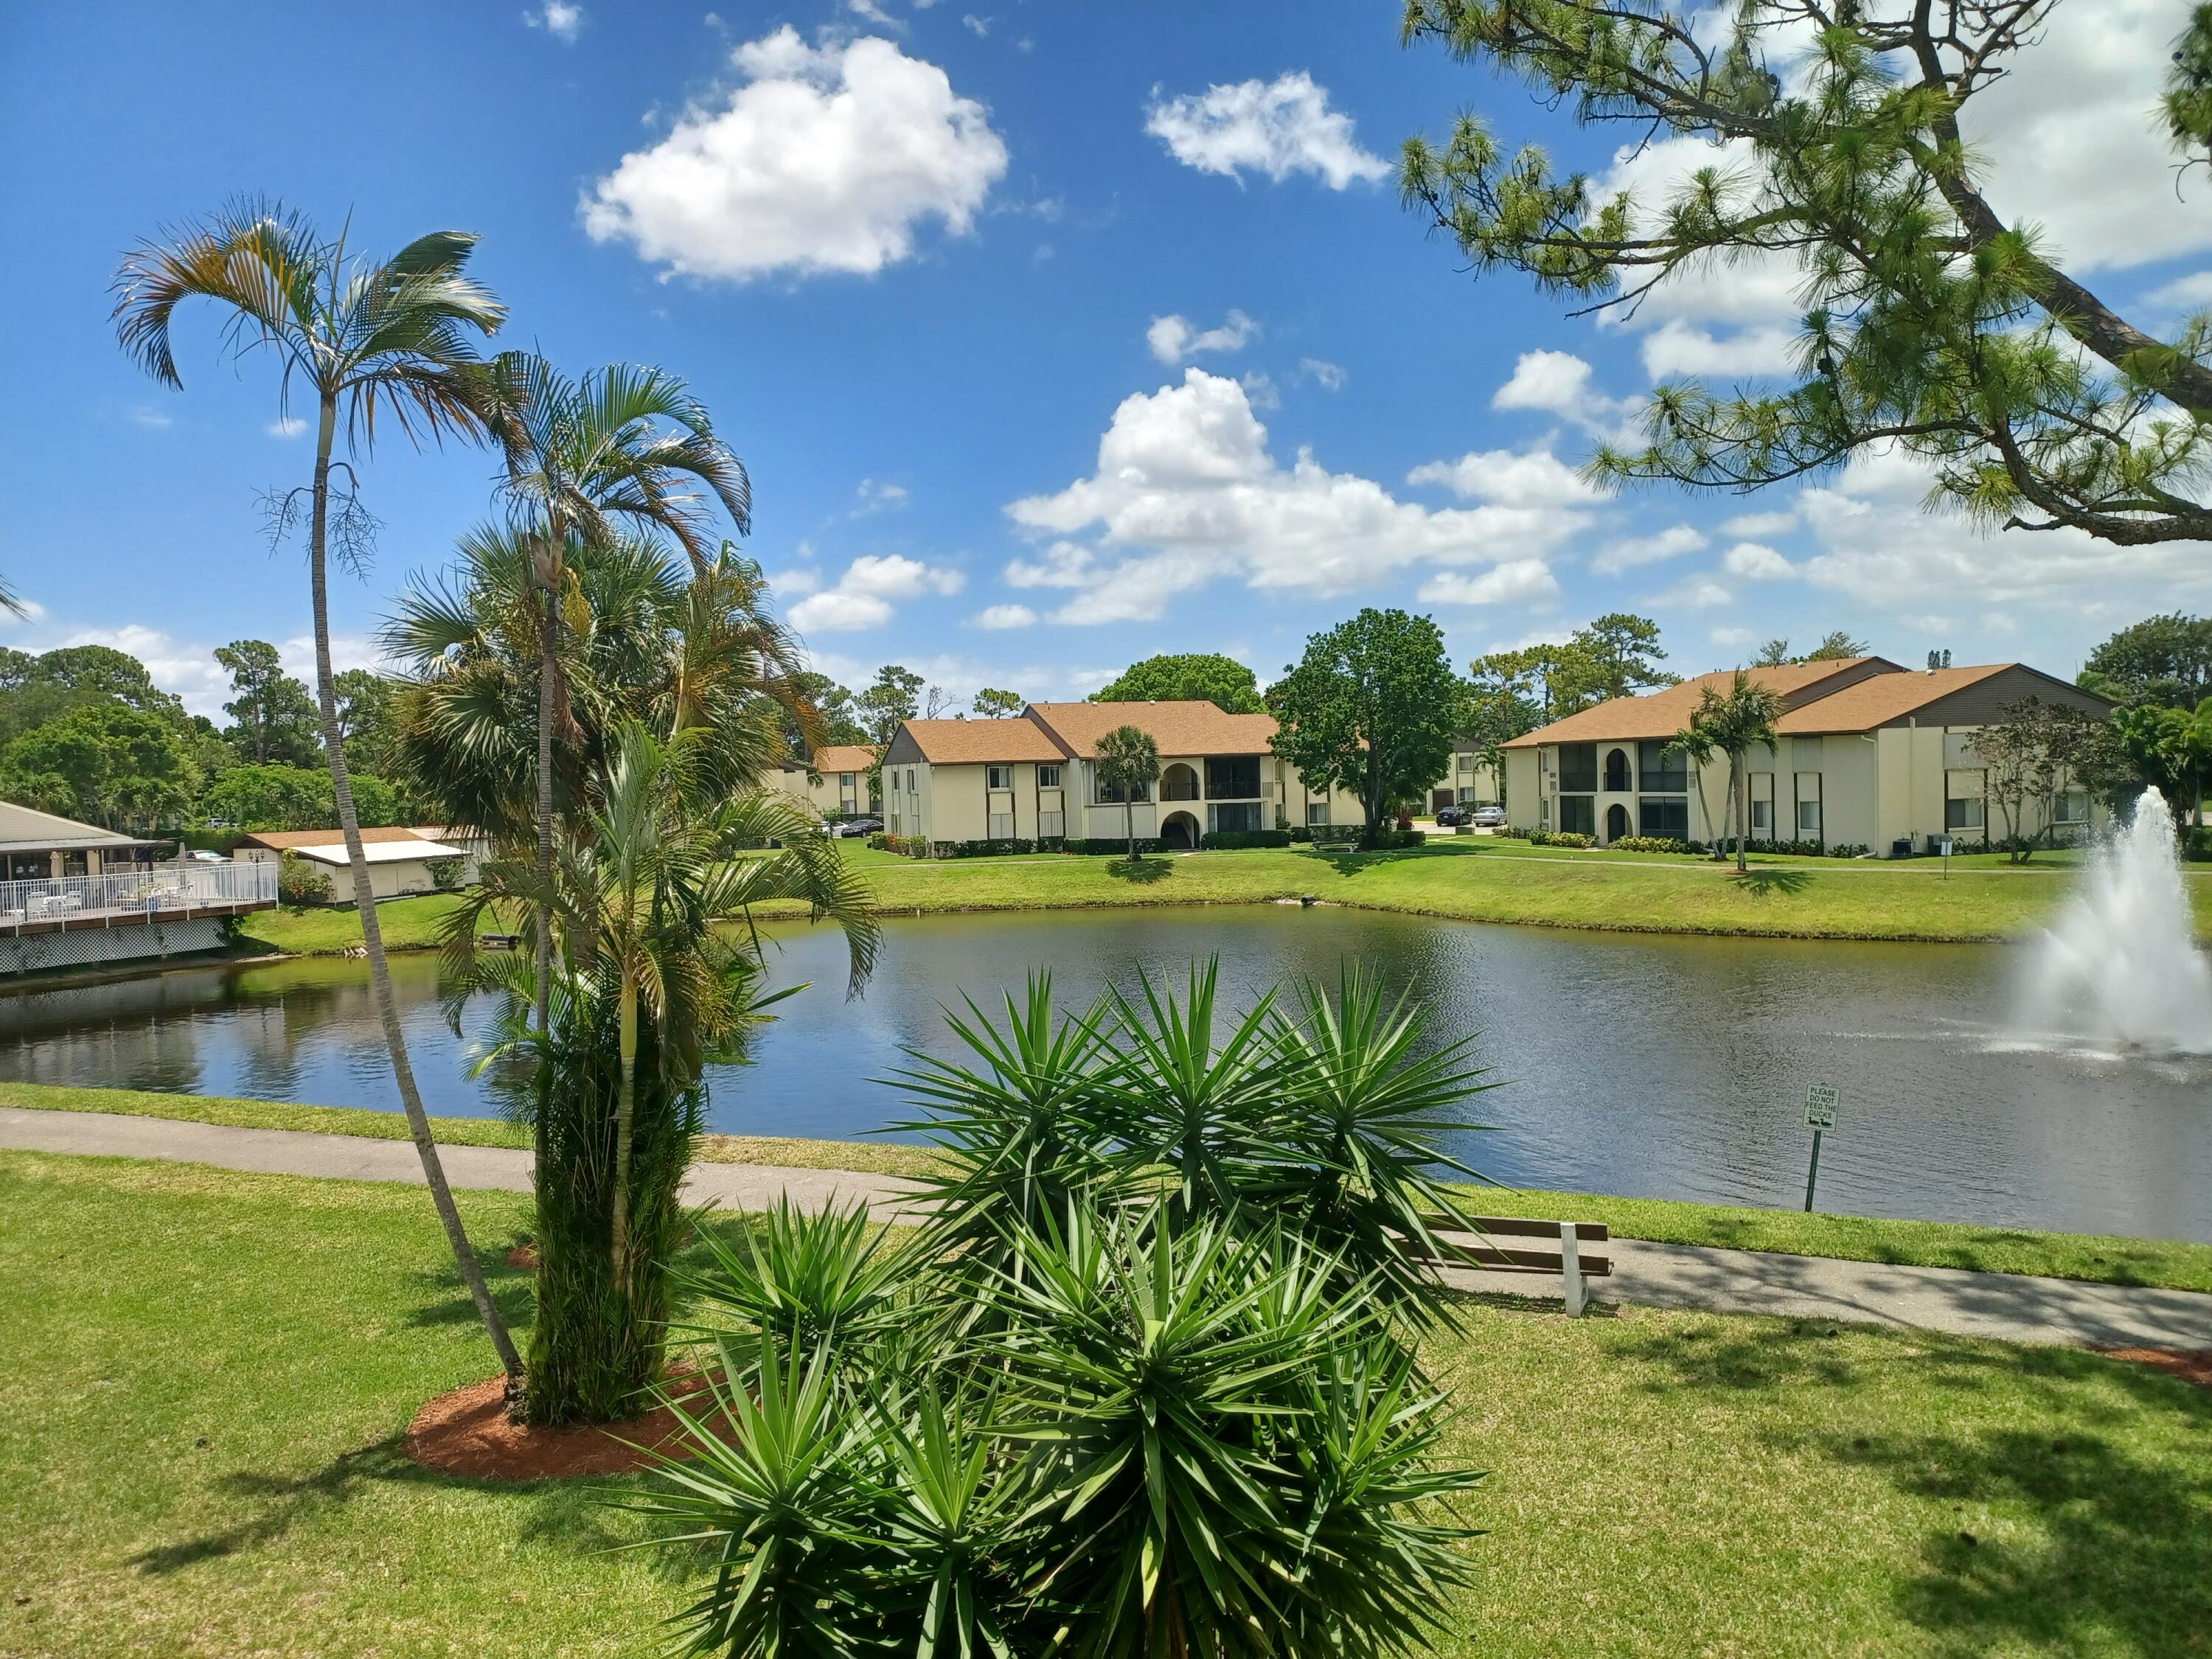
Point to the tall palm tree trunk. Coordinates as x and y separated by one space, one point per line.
547 668
1739 808
364 898
625 1133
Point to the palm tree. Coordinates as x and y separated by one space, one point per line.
646 977
360 337
1733 724
1128 761
616 449
1696 747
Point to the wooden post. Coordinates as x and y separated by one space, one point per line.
1571 1269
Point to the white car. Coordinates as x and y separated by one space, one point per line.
1489 818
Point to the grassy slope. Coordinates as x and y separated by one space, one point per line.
1475 879
2171 1265
198 1456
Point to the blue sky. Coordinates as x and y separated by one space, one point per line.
1053 335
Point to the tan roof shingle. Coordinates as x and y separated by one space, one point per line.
1194 727
280 840
1884 698
835 757
972 743
1663 713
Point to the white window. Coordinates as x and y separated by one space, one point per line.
998 777
1048 777
1002 826
1963 814
1317 811
2070 806
1762 815
845 781
1808 796
1808 817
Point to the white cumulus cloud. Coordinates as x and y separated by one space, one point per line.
1186 492
1757 562
562 19
1671 542
1539 478
997 617
864 597
823 159
1515 583
1274 128
1173 338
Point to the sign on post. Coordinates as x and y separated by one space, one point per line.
1820 1117
1821 1106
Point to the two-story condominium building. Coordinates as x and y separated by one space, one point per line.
833 780
1871 754
1036 777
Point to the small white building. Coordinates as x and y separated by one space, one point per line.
401 860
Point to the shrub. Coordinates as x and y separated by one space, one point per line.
300 882
1512 833
1227 840
1111 845
1388 839
1653 844
1177 1417
1571 838
1819 850
445 874
1301 832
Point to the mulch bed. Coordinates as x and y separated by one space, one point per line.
523 1256
468 1433
2190 1367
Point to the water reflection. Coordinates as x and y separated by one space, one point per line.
1668 1067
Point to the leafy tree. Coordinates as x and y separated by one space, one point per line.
1623 653
894 697
2168 749
295 798
1836 647
300 882
1129 763
365 720
1931 321
35 690
273 720
1372 708
2166 660
362 338
834 709
1501 705
1553 681
1195 677
619 451
997 705
105 763
1731 723
2031 752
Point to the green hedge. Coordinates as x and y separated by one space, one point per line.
1568 838
1226 840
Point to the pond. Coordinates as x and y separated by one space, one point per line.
1656 1067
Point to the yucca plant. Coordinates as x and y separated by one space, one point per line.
1020 1123
804 1280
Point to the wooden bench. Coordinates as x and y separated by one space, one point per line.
1339 843
1561 1250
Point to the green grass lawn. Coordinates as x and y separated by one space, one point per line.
2169 1264
208 1375
1472 879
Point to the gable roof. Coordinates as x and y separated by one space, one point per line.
834 757
1191 727
28 828
295 840
1663 713
1888 698
972 743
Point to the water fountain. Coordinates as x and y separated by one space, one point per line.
2119 971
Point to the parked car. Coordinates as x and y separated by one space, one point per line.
857 826
1450 816
1489 818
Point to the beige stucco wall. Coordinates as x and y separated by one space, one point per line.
826 794
954 803
1875 789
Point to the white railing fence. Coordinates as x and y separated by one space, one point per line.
144 891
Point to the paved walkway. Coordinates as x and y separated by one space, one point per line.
2007 1306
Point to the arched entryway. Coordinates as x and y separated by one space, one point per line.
1179 783
1616 773
1616 822
1180 832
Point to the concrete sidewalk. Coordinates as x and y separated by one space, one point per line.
2008 1307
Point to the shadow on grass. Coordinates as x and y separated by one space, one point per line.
2047 1532
1773 879
285 1500
1143 873
1354 862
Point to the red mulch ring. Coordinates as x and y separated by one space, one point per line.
523 1256
2190 1367
468 1432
